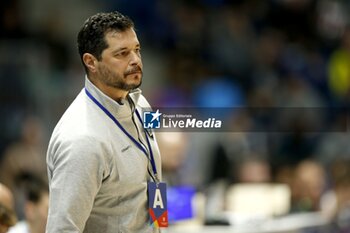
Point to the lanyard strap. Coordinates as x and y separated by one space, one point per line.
149 146
138 144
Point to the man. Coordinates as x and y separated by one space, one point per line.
36 204
99 157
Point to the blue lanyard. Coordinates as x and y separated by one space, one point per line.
138 144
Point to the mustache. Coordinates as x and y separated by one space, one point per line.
133 70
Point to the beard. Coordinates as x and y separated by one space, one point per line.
119 81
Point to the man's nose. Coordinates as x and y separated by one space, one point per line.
135 58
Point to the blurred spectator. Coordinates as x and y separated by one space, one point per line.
333 146
253 170
26 155
173 148
7 215
197 168
341 177
294 145
308 184
336 202
35 206
236 153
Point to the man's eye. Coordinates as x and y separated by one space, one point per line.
121 54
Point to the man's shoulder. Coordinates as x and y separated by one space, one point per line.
80 114
79 122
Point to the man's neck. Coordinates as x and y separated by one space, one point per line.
114 93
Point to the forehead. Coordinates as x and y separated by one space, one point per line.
121 39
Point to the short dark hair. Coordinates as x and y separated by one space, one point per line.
91 37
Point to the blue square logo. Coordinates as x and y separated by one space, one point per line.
151 120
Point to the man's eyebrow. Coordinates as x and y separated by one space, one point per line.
124 48
119 49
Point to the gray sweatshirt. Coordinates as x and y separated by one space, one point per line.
98 177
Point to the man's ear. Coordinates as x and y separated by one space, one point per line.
90 61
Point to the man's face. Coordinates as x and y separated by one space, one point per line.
120 65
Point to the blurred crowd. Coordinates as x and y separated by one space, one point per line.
200 53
